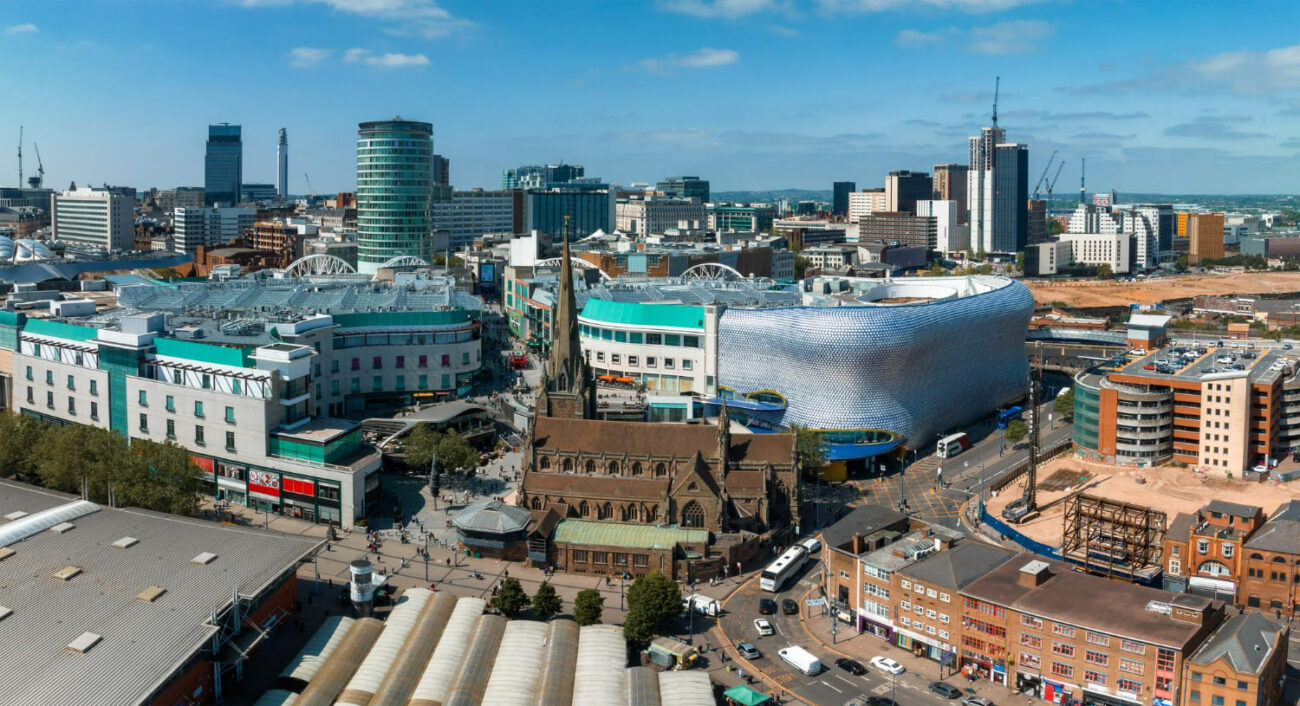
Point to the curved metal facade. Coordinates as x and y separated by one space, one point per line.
912 369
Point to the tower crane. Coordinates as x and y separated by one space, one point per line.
20 156
997 83
1083 176
1052 184
1043 178
36 181
310 191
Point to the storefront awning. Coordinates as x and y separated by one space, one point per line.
746 696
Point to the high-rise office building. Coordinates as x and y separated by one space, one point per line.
589 207
282 165
472 214
950 185
223 165
949 235
210 227
1205 237
902 227
903 188
102 218
840 191
1037 221
867 201
536 176
441 170
998 193
394 191
685 187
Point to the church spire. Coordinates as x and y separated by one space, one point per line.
564 364
724 436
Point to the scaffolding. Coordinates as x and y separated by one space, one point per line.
1112 538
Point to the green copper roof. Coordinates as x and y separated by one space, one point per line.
402 318
58 329
636 314
202 352
610 534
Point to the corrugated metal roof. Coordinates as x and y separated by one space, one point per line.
493 516
613 534
143 644
598 676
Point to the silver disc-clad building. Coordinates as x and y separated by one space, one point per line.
913 357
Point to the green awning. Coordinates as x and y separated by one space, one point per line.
746 696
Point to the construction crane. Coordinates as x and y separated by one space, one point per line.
310 191
1052 184
1043 178
997 84
1083 174
20 156
36 181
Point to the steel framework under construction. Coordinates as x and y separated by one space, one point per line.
1112 538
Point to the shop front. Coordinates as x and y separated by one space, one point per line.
921 647
264 490
1093 697
880 630
1056 692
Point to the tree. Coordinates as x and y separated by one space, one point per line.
1020 261
657 597
801 264
546 602
161 477
19 434
420 446
1064 404
588 607
810 447
981 255
454 452
1016 431
451 448
510 599
1104 271
639 626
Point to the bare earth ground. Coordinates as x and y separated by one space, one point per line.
1173 490
1088 293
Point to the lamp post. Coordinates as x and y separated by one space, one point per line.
620 590
980 518
690 607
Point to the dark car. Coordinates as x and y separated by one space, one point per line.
851 666
789 607
881 701
767 606
947 691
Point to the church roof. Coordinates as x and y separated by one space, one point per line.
648 439
582 485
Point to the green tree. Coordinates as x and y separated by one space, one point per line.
420 445
658 597
1180 265
810 447
546 602
1064 404
160 477
588 607
1016 431
452 450
510 599
1020 261
801 264
19 434
981 255
1104 271
639 626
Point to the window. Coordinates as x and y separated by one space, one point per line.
1220 681
1136 648
94 409
686 364
334 387
1062 670
906 621
49 400
29 372
72 405
377 363
1132 687
49 377
170 403
464 358
230 441
632 360
1094 677
356 363
945 597
1030 661
1097 638
916 608
1100 659
907 584
1203 546
1030 621
72 383
355 385
600 557
334 365
198 408
907 605
943 618
377 383
198 435
1031 641
446 360
230 415
207 381
177 377
615 358
1242 686
424 382
144 422
1227 550
1131 666
234 387
943 635
580 555
1164 660
29 396
400 362
94 387
600 356
143 398
1063 630
654 339
1064 649
171 428
930 613
650 361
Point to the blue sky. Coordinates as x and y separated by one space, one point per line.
1190 97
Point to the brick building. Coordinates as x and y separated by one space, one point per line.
1202 551
1242 664
610 548
1272 561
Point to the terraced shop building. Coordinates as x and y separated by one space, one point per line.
253 396
874 363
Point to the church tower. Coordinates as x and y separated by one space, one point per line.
568 388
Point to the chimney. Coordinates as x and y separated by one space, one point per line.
1034 574
857 545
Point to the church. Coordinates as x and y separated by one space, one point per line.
689 475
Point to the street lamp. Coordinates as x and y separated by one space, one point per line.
620 590
690 607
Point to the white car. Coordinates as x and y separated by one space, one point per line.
763 627
886 664
812 544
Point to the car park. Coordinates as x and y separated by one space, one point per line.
767 606
944 689
851 666
887 665
747 650
763 627
789 607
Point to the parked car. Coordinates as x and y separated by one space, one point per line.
747 650
881 701
944 689
763 627
767 606
851 666
976 701
789 607
812 544
887 665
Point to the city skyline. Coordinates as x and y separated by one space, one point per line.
1204 101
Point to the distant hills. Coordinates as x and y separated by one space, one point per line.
1222 201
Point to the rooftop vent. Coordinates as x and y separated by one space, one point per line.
151 594
16 514
5 612
85 642
5 553
125 542
204 559
1035 573
67 573
62 527
1159 607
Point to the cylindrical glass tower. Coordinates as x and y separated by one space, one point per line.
394 191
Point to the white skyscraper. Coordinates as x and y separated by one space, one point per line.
998 193
950 236
93 217
282 166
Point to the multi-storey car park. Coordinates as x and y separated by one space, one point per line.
873 363
1225 411
252 376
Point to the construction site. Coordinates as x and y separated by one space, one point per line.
1077 293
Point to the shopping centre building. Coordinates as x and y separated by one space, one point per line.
251 376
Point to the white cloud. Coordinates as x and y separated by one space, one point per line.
728 9
1014 37
25 28
1253 72
421 18
307 57
703 58
384 61
917 38
971 6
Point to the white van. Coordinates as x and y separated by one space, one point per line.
801 659
704 605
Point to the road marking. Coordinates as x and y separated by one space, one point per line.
832 686
846 681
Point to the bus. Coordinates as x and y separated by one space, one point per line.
780 571
1006 415
952 445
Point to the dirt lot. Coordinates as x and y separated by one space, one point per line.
1173 490
1154 291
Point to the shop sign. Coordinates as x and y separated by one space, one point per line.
299 486
264 483
206 464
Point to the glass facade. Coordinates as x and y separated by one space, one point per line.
588 209
223 165
1087 413
394 192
